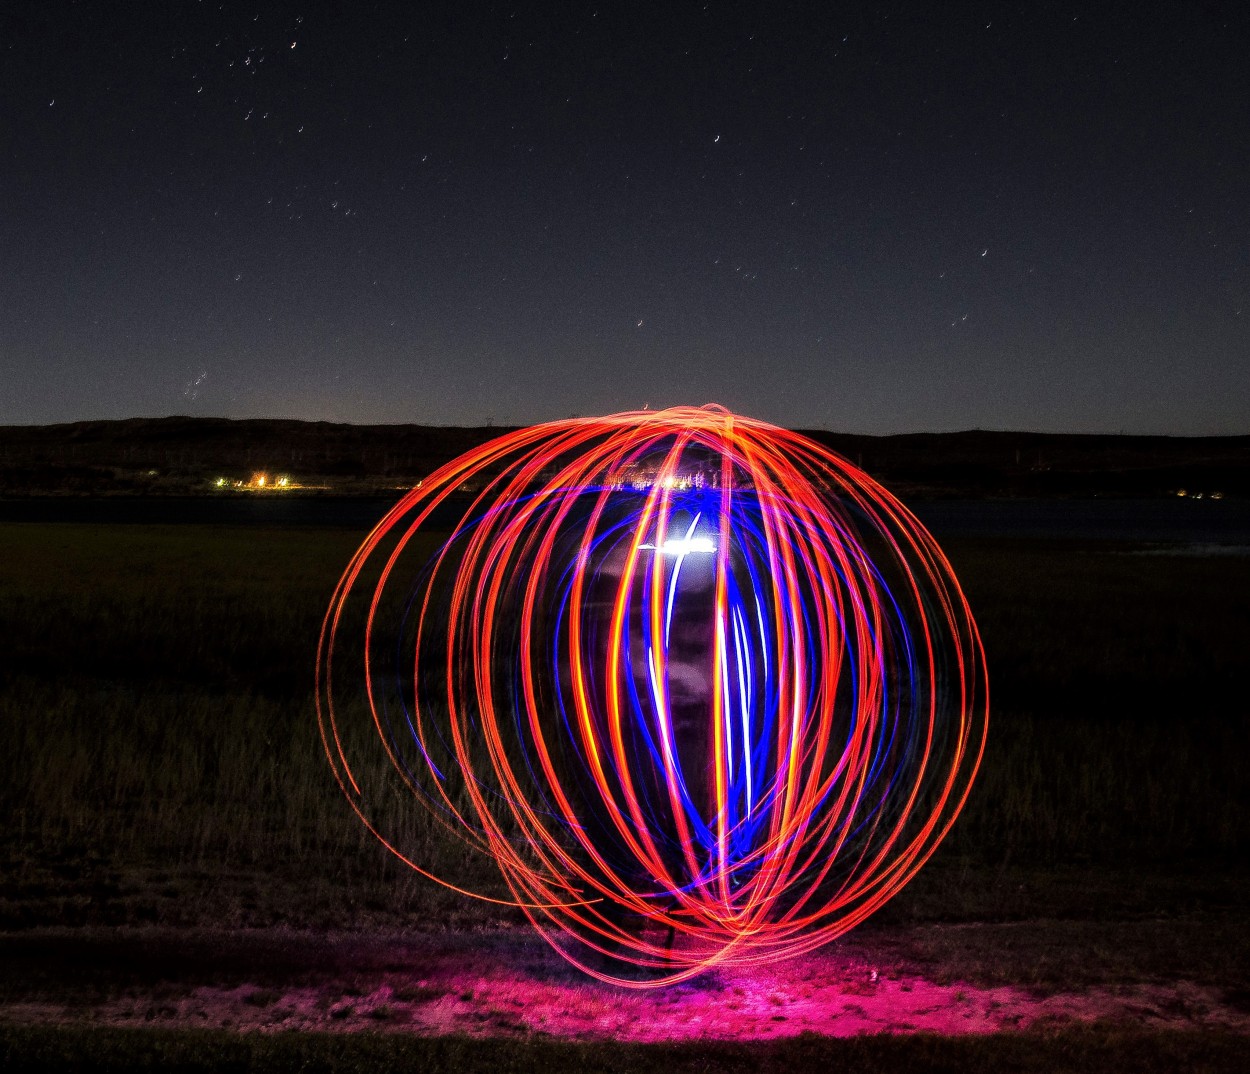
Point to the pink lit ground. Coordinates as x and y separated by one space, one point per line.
505 983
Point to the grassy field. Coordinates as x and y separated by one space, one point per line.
159 765
1077 1051
156 714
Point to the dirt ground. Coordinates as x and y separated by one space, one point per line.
507 983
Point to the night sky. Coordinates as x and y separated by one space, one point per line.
870 218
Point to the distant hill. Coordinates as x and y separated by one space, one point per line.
182 455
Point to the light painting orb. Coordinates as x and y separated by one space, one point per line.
704 693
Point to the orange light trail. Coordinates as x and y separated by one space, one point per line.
704 692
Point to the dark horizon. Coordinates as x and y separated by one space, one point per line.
876 219
207 456
491 424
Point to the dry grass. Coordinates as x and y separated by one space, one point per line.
1096 1049
159 760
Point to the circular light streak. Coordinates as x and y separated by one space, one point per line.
703 692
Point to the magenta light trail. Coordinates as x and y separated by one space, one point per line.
704 693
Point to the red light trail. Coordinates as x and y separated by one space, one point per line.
705 693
